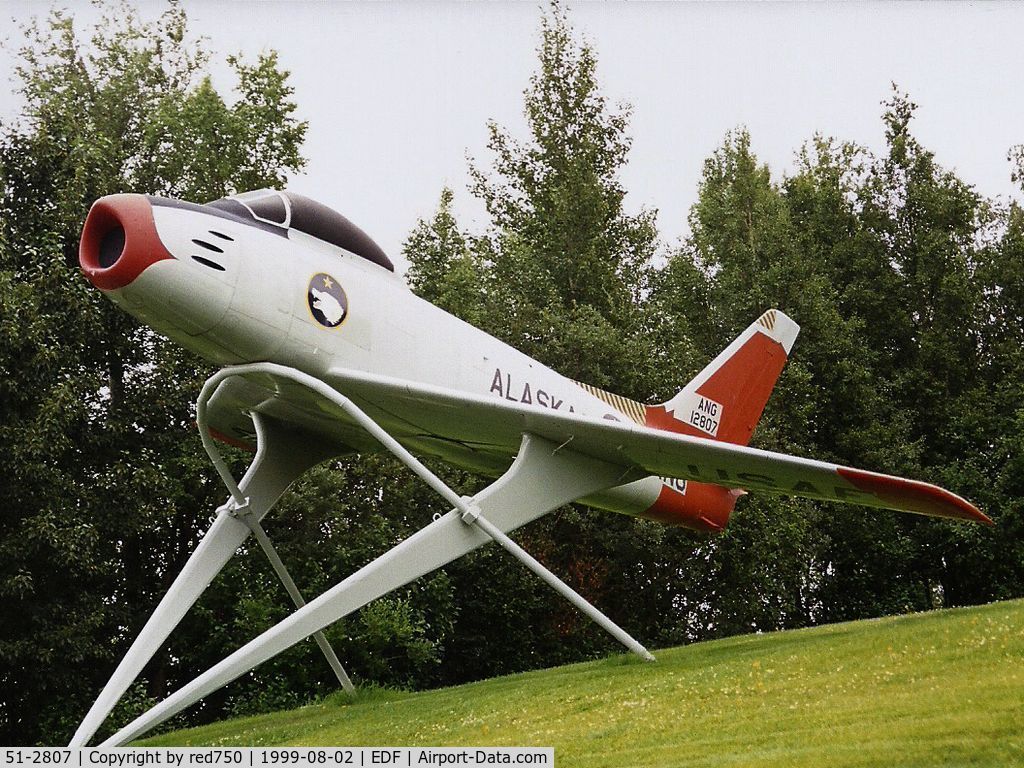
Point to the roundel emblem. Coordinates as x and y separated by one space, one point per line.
327 301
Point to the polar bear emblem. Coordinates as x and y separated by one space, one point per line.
327 301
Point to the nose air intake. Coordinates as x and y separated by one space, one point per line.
119 240
111 247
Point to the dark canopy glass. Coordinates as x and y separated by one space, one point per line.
287 209
326 224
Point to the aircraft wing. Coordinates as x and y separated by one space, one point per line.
494 422
228 410
488 429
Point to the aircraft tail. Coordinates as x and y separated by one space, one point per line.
726 399
723 402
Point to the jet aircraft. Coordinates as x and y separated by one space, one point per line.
325 351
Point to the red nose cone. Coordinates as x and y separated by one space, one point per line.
119 241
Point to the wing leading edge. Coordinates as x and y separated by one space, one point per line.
497 422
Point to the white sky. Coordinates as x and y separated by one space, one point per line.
397 94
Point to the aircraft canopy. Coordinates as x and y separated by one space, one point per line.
293 211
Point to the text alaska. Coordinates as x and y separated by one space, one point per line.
503 385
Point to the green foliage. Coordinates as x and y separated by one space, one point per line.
909 362
443 269
566 262
896 271
559 274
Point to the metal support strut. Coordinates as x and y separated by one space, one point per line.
469 513
557 584
541 478
293 592
282 455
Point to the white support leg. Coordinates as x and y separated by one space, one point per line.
470 514
541 479
281 457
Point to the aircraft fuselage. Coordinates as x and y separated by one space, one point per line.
236 291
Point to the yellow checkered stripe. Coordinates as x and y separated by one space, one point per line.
767 319
631 408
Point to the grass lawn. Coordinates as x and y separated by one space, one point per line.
934 689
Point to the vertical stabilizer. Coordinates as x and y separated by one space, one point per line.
726 399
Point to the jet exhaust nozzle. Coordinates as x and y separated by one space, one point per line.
119 240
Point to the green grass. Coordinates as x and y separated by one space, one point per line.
941 688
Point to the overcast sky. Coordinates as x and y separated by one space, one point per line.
397 94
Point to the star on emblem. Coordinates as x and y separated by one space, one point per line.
328 283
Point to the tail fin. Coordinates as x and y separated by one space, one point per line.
725 400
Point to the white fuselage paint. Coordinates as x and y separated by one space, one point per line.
257 308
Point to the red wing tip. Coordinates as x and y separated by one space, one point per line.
973 514
914 496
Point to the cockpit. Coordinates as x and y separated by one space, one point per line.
289 211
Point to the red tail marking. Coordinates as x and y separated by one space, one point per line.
742 385
704 507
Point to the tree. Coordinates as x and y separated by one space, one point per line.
744 256
567 262
107 487
889 265
443 267
559 274
907 283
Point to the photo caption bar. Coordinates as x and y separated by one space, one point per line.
270 757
